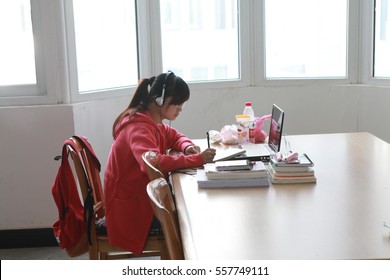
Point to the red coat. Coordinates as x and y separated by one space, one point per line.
128 210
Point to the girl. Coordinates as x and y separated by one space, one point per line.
139 129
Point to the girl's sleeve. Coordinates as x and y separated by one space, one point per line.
176 140
145 139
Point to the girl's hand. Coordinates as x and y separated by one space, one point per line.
190 150
208 155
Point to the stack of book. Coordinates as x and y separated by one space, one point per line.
233 173
296 172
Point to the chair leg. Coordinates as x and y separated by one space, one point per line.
93 253
103 256
163 250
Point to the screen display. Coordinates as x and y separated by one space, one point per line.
276 128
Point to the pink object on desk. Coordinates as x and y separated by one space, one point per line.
291 157
260 134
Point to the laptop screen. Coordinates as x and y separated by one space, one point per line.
276 128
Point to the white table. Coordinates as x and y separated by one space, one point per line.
340 217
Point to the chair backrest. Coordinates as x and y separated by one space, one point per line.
87 169
88 172
165 211
151 160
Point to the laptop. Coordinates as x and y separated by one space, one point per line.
263 152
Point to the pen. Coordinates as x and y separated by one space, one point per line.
208 140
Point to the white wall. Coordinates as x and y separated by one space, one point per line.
30 139
308 109
32 136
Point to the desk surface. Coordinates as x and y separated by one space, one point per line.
340 217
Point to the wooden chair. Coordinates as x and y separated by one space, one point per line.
151 161
88 172
164 209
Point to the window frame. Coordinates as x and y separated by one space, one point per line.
75 95
46 24
352 53
150 51
368 37
244 20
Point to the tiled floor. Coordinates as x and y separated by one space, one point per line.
42 253
38 253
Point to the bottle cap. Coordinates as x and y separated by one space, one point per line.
248 104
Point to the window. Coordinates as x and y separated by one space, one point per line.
200 39
106 44
17 54
57 51
382 40
306 39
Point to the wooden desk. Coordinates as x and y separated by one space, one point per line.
340 217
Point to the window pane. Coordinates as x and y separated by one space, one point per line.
382 40
200 39
17 57
106 44
306 38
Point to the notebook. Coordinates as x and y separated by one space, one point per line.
263 152
233 165
204 182
227 154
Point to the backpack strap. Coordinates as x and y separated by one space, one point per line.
89 212
64 165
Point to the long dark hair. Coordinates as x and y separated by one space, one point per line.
175 87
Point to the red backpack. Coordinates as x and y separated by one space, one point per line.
70 228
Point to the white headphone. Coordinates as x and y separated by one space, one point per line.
160 99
